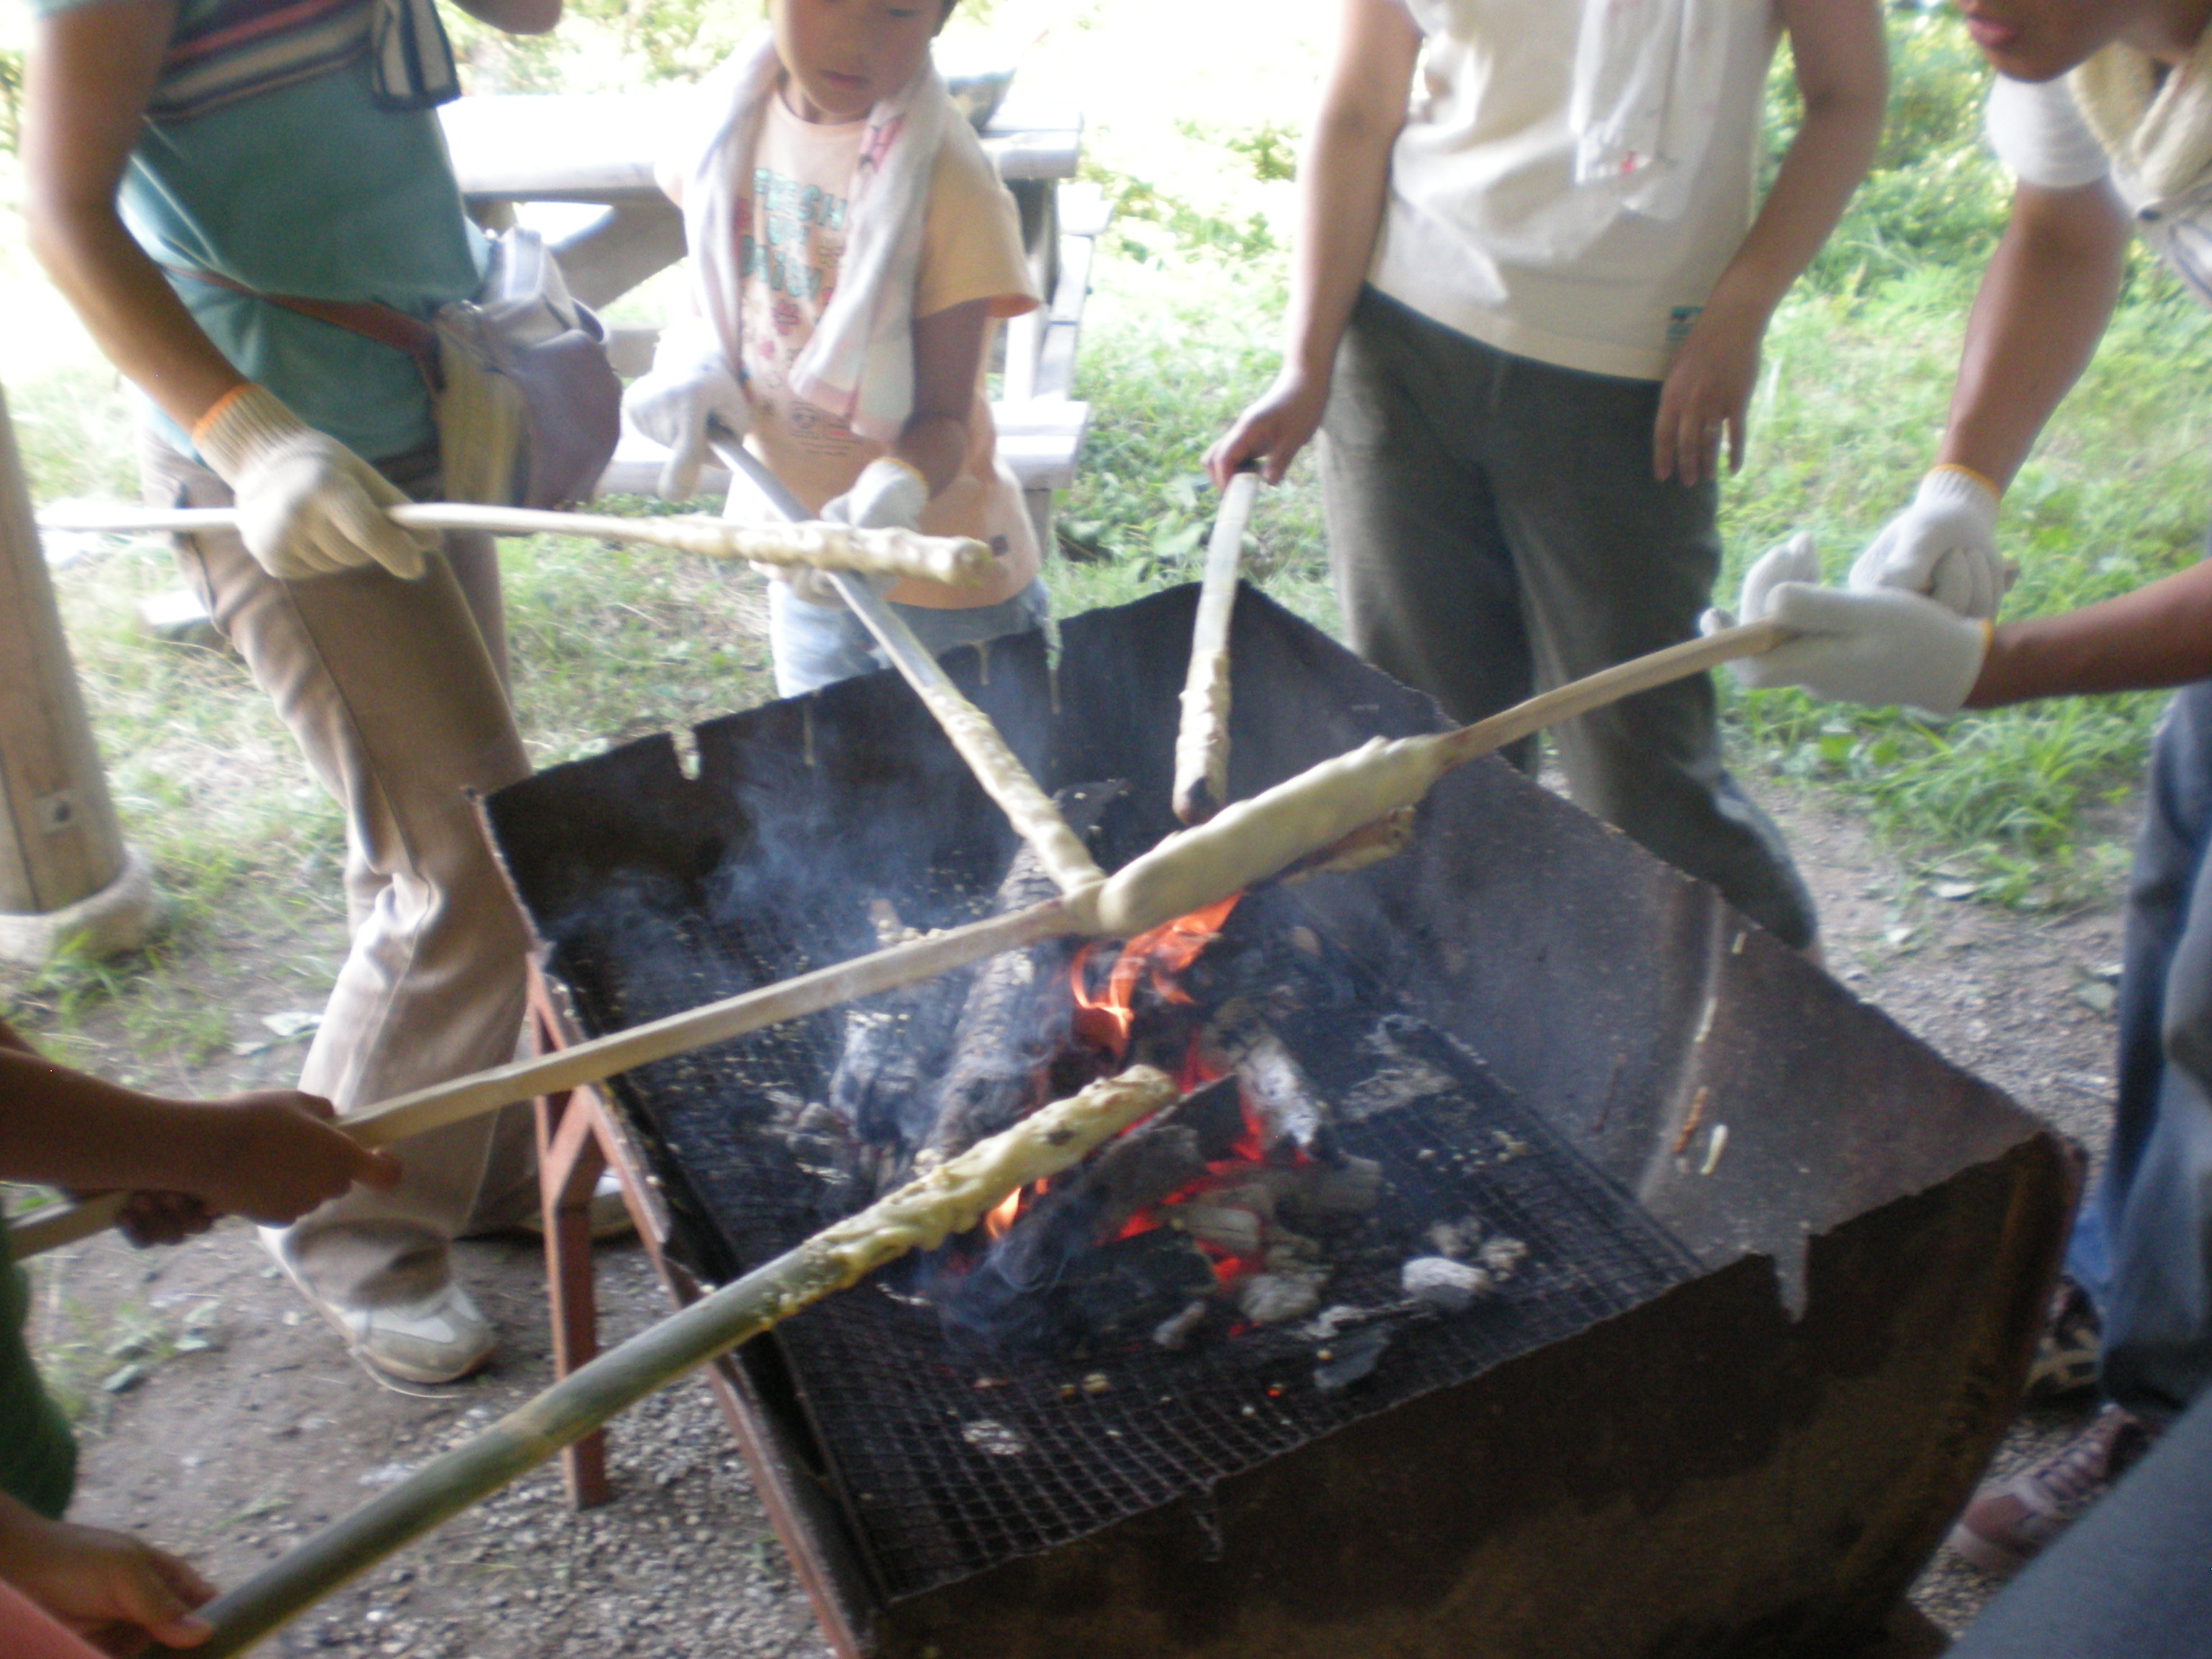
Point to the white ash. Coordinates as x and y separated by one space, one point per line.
1332 1319
1456 1239
1353 1187
1239 1230
1499 1257
1443 1283
1270 1298
987 1434
1393 1086
1176 1330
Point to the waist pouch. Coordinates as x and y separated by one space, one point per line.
527 407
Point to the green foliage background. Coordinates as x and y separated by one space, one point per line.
1193 144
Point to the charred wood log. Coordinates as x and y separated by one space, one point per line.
1018 1013
1238 1039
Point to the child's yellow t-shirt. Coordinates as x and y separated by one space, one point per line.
791 232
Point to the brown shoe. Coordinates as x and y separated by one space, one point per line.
2011 1519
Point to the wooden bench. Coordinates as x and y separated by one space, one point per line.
516 157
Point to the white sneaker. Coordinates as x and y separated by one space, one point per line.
440 1337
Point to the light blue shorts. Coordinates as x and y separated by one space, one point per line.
817 645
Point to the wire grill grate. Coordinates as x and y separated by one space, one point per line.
950 1462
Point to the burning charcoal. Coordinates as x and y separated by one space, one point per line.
1018 1014
1501 1256
1270 1298
1159 1156
1449 1285
1239 1039
1176 1332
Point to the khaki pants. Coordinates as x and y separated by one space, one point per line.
396 693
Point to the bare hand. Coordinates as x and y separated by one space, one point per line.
152 1217
108 1587
1272 430
279 1157
1707 391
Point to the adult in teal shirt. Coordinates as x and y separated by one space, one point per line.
182 160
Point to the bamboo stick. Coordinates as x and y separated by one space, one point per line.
954 559
395 1119
920 1215
49 1229
1254 839
968 729
1201 774
1248 841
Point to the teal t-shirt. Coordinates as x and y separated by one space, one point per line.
310 190
38 1454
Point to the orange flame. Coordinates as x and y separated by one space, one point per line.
1165 951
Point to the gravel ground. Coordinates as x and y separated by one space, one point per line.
232 1452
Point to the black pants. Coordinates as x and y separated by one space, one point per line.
1495 531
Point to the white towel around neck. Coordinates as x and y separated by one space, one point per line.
2160 134
859 363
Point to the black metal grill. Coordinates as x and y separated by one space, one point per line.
1873 1251
950 1462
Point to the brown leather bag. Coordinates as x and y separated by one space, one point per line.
529 410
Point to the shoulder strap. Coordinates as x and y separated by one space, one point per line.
386 325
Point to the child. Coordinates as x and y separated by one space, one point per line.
851 248
1530 301
267 1156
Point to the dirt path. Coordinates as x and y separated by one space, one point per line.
231 1452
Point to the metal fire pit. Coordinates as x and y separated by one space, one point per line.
1785 1262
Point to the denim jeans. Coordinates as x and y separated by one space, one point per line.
817 645
1495 531
2143 1245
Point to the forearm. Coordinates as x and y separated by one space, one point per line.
131 312
2157 636
1342 187
2042 307
1825 164
934 445
87 79
62 1128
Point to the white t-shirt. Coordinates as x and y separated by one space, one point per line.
2039 133
1479 230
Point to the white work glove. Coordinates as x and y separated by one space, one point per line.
1945 544
307 506
688 390
889 494
1880 646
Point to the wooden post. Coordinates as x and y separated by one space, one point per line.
65 876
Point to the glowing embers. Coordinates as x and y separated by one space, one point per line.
1105 1017
1215 1216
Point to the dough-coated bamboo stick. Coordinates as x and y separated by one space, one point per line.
1201 774
826 546
920 1215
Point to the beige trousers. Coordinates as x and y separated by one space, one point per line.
397 695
